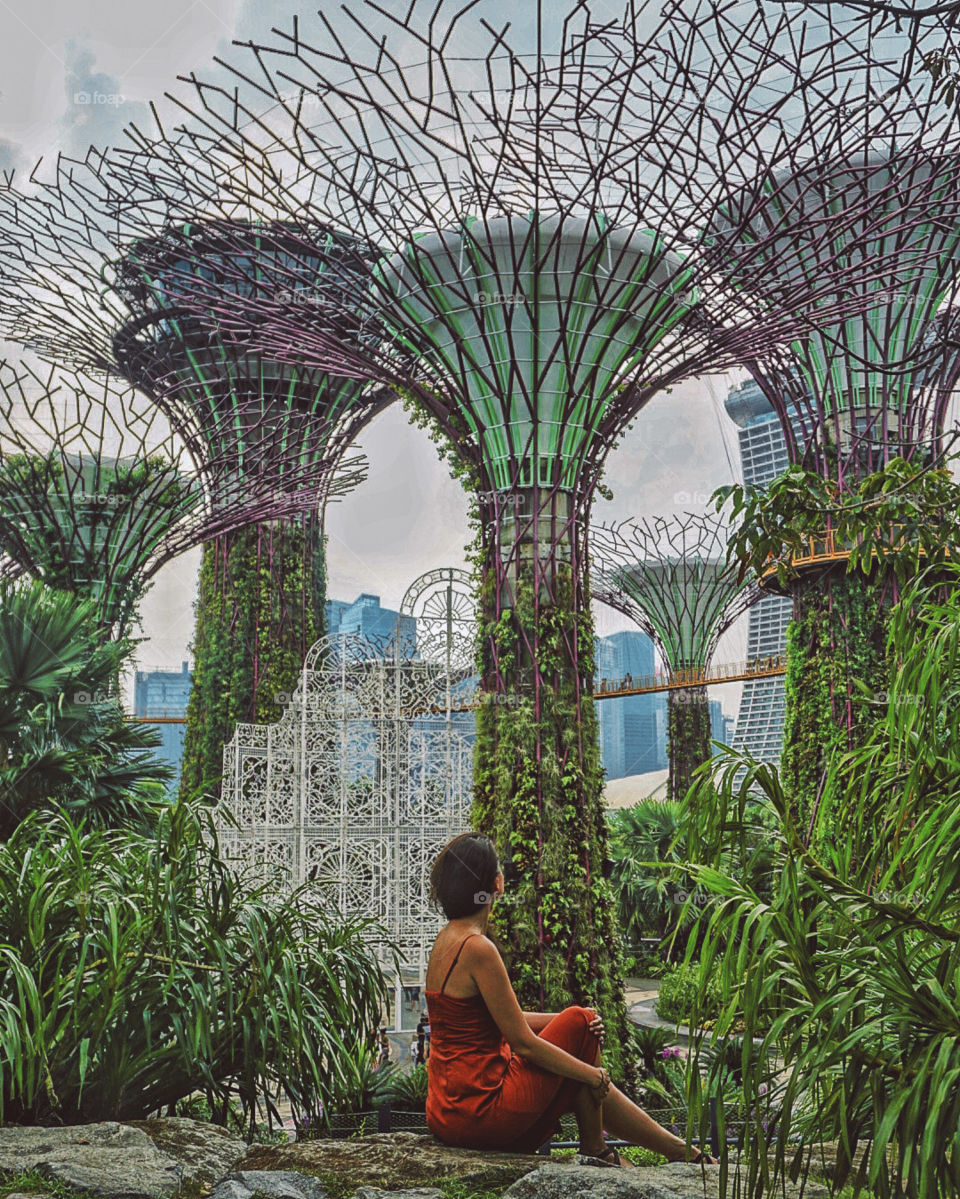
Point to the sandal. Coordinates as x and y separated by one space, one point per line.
609 1157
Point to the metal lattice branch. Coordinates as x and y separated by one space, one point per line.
97 493
671 576
877 195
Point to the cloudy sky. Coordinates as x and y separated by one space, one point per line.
75 72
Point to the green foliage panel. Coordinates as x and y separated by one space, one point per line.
539 793
260 608
63 737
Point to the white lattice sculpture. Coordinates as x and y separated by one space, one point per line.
362 781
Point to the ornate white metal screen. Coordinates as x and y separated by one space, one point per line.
367 774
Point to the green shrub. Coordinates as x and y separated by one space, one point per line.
682 997
849 971
408 1092
138 970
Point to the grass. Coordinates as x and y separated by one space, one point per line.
29 1182
452 1188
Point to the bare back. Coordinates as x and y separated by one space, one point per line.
460 984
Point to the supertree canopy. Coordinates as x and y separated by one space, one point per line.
672 577
544 269
97 493
281 428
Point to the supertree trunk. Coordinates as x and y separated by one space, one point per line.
260 608
688 737
538 778
838 635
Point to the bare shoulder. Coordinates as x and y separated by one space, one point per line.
481 951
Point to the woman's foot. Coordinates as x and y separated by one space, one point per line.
697 1157
609 1156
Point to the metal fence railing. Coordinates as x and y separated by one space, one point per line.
386 1119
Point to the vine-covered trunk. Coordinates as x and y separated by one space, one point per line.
688 737
538 777
837 635
260 608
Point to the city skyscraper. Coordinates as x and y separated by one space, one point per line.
763 456
365 617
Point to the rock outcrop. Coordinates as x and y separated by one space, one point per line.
392 1160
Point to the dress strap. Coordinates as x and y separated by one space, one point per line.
456 959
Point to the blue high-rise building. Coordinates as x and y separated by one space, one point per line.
763 456
366 618
165 693
633 729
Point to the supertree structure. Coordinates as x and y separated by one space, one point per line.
111 274
855 393
540 278
96 491
672 577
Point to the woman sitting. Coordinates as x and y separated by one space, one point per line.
500 1078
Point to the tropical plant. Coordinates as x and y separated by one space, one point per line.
644 838
849 972
684 999
63 736
366 1085
408 1092
138 970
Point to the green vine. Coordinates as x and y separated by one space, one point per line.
260 608
836 638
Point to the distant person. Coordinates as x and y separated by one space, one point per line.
501 1078
385 1049
421 1039
414 1052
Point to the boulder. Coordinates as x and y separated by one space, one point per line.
677 1180
108 1159
269 1184
392 1161
205 1151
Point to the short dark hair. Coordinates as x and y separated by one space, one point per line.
463 874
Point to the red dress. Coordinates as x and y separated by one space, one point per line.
482 1096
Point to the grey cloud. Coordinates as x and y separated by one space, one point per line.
97 111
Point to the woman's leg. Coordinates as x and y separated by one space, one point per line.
589 1118
625 1120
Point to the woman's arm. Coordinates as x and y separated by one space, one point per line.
486 967
538 1020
